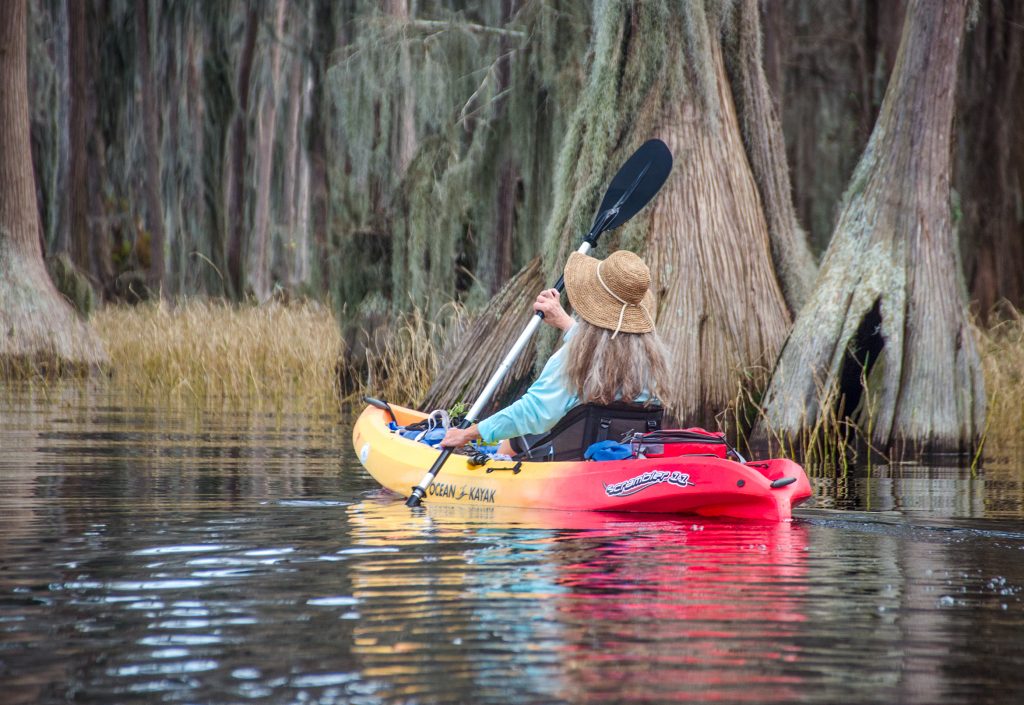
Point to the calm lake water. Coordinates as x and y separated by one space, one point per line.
152 555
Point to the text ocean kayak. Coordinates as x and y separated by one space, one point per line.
687 484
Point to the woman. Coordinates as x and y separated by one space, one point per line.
612 353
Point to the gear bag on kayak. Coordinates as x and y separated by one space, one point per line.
672 442
586 425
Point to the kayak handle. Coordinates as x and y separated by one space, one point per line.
516 469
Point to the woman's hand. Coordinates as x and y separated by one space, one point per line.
549 303
458 437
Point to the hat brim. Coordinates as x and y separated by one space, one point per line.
596 306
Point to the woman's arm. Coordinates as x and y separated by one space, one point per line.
544 403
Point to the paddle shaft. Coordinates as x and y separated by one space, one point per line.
473 415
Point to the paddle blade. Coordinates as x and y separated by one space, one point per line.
634 186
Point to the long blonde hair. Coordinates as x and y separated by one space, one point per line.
601 369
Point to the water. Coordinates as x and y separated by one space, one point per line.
153 555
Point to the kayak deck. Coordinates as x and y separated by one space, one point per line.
689 484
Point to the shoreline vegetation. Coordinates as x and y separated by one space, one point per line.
212 354
287 356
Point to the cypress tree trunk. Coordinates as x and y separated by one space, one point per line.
150 119
508 173
216 110
721 310
766 151
404 127
292 257
239 151
40 328
990 154
78 129
259 265
323 44
890 296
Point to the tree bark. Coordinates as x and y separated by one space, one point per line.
41 331
259 265
404 134
239 152
292 259
721 311
508 173
888 307
216 109
78 128
990 154
150 129
766 151
318 126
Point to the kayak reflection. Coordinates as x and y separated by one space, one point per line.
578 605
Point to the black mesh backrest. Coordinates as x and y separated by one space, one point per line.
587 424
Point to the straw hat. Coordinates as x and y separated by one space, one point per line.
614 293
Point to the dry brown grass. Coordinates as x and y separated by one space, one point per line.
209 353
213 353
1002 356
406 357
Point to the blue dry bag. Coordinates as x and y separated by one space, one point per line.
608 450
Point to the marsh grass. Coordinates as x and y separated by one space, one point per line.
407 356
210 353
1002 355
280 356
834 442
828 445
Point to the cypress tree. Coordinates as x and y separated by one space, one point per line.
885 337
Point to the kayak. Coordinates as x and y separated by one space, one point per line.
704 485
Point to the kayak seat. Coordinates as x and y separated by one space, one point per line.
585 425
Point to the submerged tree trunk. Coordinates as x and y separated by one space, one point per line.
40 330
888 307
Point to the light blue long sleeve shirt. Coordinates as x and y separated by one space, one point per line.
541 407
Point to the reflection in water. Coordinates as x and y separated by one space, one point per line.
149 554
